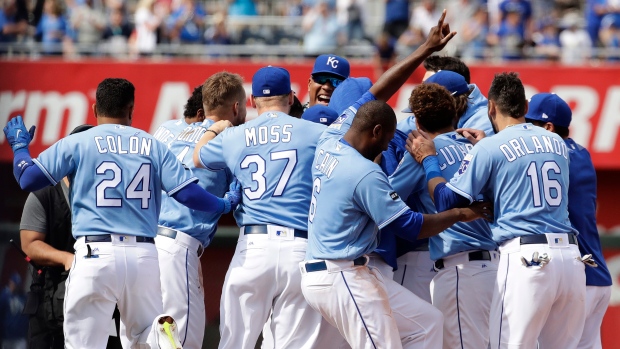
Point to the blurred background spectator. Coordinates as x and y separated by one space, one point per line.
87 23
147 23
13 324
13 21
474 33
117 34
385 53
425 16
396 17
53 29
322 32
546 40
186 23
575 41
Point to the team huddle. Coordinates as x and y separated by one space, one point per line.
470 224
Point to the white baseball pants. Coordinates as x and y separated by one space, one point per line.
123 272
264 277
463 291
533 303
415 272
597 300
181 286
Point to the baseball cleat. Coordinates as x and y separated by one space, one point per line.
168 336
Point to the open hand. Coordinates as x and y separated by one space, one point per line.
480 209
420 145
472 135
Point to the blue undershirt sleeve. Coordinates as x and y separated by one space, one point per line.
446 199
406 226
196 198
29 177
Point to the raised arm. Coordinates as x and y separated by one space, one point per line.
387 85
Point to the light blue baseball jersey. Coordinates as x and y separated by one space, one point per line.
198 224
117 174
351 197
523 170
407 125
476 116
409 180
271 157
169 130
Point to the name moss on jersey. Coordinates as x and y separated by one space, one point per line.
268 134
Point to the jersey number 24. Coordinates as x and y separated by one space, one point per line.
138 188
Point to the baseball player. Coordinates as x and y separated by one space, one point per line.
523 170
415 267
351 199
118 173
328 72
192 112
551 112
183 233
271 157
465 254
45 235
475 114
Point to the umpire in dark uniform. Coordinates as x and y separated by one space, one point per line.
45 234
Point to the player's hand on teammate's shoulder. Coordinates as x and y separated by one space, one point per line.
479 209
233 195
439 35
17 135
472 135
420 145
220 126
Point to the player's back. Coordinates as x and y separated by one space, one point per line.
524 171
117 174
410 180
582 211
271 157
169 130
198 224
339 225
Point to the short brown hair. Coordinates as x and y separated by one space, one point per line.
433 106
221 89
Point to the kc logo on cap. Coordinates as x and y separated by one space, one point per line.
332 65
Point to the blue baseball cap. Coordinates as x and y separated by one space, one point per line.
348 92
332 65
549 107
271 81
453 82
320 114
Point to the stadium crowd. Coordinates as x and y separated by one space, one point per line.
570 31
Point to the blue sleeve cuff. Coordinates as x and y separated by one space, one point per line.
431 167
406 226
446 199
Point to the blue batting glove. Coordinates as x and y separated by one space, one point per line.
17 135
233 197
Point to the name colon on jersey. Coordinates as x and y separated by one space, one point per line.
326 163
518 147
267 134
191 134
453 153
118 145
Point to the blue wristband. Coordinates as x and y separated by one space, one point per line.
431 167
